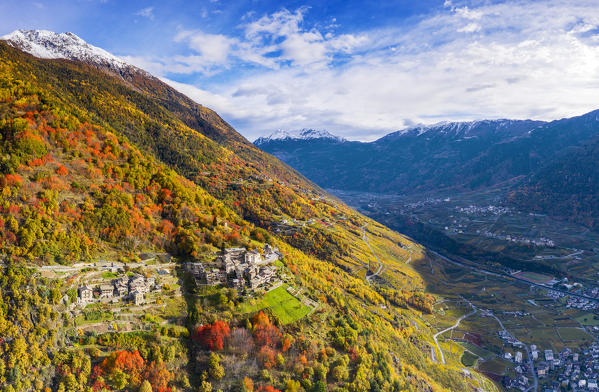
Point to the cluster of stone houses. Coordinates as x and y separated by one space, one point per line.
238 268
130 288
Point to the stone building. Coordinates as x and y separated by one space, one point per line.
120 289
106 291
137 297
237 267
86 295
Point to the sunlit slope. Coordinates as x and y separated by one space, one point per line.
93 168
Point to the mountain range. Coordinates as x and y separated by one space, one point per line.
543 166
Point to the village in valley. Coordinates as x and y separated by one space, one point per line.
548 343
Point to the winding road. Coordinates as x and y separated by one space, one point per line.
457 323
380 268
535 385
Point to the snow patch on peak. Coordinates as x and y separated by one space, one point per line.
50 45
302 134
466 129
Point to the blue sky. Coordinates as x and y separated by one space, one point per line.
359 69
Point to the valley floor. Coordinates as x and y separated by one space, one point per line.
531 329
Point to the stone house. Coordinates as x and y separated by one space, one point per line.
86 294
138 283
137 297
106 291
235 267
150 282
121 285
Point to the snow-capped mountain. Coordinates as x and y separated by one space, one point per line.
466 129
419 159
302 134
50 45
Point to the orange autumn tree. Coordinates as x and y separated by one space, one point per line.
265 333
62 170
267 337
129 364
125 368
158 376
267 388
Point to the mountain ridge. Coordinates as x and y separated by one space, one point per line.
465 156
402 159
302 134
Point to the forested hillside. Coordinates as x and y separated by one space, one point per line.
567 188
98 169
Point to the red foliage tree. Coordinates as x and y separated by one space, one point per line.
11 180
62 171
265 332
285 343
268 335
267 388
212 336
167 228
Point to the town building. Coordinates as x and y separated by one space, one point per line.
137 297
518 357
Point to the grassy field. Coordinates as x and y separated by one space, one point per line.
468 359
533 276
479 351
588 319
495 366
284 305
569 334
108 275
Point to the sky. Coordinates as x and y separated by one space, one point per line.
359 69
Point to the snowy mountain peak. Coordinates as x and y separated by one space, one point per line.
467 129
50 45
302 134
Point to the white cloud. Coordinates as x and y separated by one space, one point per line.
518 60
147 12
270 41
468 13
470 28
212 48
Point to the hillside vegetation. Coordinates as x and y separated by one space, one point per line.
567 188
97 168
